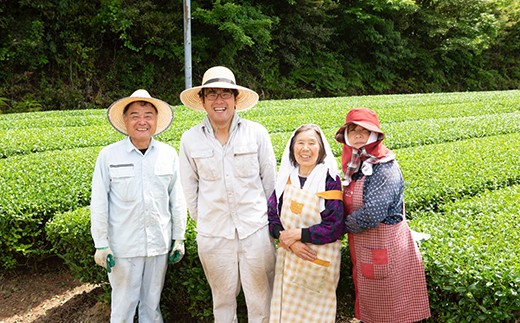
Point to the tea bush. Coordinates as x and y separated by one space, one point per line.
472 260
458 152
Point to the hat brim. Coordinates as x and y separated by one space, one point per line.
116 118
340 134
246 98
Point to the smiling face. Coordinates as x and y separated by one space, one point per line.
307 150
141 122
219 105
357 135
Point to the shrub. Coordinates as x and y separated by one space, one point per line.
32 190
472 259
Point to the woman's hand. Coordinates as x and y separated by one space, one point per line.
289 237
303 251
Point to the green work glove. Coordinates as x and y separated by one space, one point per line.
105 258
110 262
176 252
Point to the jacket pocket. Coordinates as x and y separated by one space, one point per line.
207 165
122 181
246 160
163 172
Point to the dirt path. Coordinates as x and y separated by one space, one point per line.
49 295
52 295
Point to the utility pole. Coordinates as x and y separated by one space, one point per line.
187 43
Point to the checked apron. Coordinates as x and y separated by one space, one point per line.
305 291
387 269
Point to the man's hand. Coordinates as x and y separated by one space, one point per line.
105 258
177 252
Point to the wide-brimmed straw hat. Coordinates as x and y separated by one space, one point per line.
164 111
363 117
219 77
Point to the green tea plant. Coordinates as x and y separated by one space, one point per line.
442 173
472 259
32 189
458 152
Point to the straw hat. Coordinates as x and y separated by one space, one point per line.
363 117
164 111
219 77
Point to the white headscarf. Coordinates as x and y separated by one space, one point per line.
366 168
317 178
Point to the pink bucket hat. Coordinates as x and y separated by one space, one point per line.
363 117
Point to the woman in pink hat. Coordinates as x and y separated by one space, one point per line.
387 267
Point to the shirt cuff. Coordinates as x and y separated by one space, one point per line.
276 231
306 235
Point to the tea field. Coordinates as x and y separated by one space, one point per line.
459 153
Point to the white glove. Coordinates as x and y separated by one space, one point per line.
177 252
419 237
101 256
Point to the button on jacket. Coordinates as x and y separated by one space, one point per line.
227 186
137 204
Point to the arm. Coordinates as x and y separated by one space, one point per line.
332 225
267 162
273 215
382 194
99 203
189 178
177 203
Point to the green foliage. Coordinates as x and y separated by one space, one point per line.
441 173
456 150
472 263
186 285
69 234
66 54
32 190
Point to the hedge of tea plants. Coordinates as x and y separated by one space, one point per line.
457 151
472 260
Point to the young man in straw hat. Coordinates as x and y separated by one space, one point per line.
138 210
228 170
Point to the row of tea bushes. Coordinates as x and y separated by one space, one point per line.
19 141
69 118
286 115
437 174
32 189
398 134
426 132
472 259
408 120
22 141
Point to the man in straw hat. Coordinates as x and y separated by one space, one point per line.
138 210
228 171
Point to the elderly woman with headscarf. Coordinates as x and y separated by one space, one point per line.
387 269
306 215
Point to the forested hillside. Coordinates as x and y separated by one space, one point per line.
63 54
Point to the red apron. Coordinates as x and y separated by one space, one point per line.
387 267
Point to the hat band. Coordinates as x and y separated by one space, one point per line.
219 80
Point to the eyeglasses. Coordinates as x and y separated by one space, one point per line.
212 96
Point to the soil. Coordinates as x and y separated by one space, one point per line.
51 294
